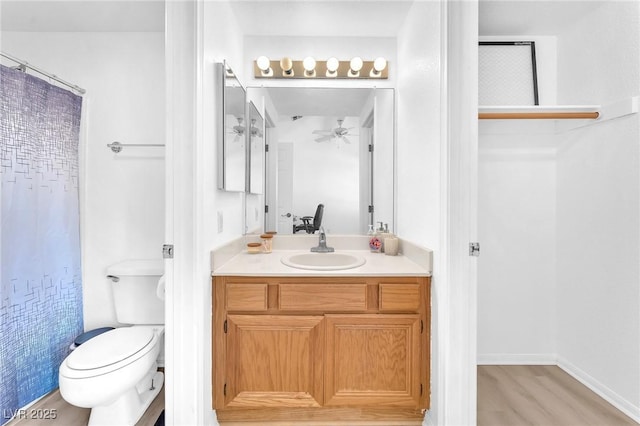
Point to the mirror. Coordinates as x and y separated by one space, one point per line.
319 152
256 138
230 125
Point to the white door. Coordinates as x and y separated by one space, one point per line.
285 188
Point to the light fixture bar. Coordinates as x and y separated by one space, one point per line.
298 71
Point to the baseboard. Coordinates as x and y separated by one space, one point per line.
603 391
517 359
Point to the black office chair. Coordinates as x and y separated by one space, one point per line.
307 225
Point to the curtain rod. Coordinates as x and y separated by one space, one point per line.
25 64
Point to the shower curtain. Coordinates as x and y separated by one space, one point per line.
41 288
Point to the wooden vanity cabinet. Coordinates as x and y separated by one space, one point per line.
327 349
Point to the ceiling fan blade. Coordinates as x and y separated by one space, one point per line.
323 139
318 132
346 139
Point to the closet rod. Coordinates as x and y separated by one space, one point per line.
537 115
23 65
117 146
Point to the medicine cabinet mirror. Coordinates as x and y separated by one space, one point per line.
231 129
256 137
330 146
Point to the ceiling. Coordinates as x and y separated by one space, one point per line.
530 17
344 102
82 16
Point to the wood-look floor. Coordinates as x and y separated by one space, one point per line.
542 395
69 415
511 395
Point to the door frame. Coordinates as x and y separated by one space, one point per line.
456 365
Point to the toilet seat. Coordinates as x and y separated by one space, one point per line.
109 351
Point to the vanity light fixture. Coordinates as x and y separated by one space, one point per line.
263 67
287 67
309 65
355 65
264 64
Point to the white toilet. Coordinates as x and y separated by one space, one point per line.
115 373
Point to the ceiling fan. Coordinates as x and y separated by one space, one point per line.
255 131
335 133
238 129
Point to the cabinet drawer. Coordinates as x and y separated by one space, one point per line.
350 297
399 297
247 297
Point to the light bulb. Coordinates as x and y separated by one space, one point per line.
263 63
287 66
379 64
332 65
309 64
356 64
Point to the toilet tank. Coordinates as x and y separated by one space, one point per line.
135 295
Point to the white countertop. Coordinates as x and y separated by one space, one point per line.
227 261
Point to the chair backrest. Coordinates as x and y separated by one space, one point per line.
317 219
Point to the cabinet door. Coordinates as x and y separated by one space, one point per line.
274 361
373 360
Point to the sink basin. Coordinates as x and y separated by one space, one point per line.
323 261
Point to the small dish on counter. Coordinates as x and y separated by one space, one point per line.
254 248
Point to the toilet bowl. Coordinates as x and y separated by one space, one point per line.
115 374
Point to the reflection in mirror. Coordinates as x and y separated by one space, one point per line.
319 153
256 137
231 125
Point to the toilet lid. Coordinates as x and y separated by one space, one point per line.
110 348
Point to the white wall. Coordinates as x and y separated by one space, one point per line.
598 207
222 42
122 196
517 268
418 128
517 227
418 164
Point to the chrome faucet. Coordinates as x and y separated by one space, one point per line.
322 244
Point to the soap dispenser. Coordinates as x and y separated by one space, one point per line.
371 231
389 242
384 233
